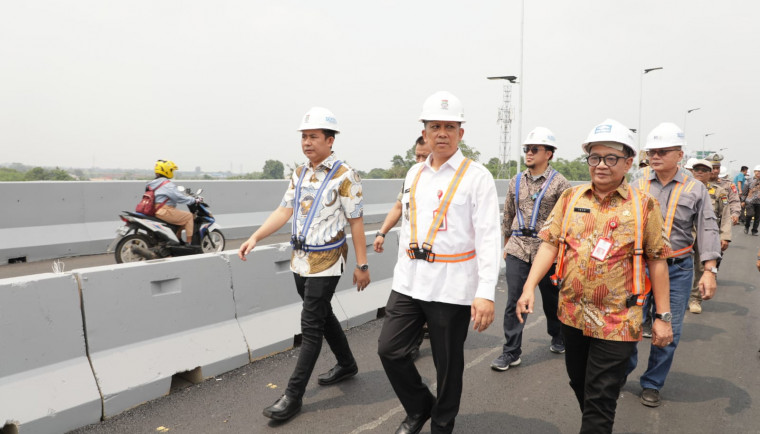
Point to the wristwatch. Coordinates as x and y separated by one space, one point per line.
363 267
665 316
713 270
379 234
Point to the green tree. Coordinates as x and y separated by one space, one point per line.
377 173
7 174
273 169
469 152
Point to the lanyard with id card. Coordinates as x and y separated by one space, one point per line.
604 243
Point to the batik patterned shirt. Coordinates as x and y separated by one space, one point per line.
593 293
341 200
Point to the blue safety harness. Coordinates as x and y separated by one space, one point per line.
530 231
298 242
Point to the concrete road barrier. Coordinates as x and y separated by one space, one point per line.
46 383
147 321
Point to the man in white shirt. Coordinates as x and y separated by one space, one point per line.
447 268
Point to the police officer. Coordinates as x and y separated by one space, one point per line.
734 203
719 198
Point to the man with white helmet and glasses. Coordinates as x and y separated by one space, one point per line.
447 269
323 196
752 202
531 196
601 235
685 205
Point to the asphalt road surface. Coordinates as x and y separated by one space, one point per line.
712 387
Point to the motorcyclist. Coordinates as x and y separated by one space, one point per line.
168 196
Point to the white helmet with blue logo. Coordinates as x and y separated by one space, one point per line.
541 136
610 131
319 118
665 135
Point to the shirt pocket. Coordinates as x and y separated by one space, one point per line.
685 210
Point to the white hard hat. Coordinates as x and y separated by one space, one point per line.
757 168
665 135
319 118
442 106
541 136
723 172
610 131
700 162
691 162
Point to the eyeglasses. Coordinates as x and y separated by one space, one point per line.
609 160
659 152
532 149
701 169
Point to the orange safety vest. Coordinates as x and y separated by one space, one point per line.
645 184
641 284
426 252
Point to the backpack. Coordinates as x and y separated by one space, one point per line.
146 205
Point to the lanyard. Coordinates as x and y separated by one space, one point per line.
442 210
299 241
531 230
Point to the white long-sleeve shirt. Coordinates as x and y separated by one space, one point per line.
472 222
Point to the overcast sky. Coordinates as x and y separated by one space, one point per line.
223 84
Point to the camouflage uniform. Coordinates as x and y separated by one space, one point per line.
719 198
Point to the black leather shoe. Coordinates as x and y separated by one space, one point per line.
337 374
284 408
413 424
650 397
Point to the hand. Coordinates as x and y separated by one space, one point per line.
246 248
662 333
361 279
707 285
735 219
481 312
378 244
525 304
723 245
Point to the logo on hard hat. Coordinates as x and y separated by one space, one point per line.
331 120
601 129
306 119
444 104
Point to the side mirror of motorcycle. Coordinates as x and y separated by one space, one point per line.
200 190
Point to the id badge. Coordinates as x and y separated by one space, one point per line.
443 225
601 249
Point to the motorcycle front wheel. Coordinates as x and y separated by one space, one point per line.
218 242
124 251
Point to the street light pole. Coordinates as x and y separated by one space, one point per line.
641 105
703 143
684 120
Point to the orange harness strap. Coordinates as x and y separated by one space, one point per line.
672 206
426 252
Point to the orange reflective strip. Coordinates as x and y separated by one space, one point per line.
560 269
443 208
461 257
680 252
413 206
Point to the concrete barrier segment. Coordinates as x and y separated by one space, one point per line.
46 382
148 321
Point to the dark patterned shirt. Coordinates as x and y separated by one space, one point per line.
522 247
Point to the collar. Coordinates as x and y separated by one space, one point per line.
454 161
546 173
622 189
681 176
327 163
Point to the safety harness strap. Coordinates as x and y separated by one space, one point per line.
530 231
299 241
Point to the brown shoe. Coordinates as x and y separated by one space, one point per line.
650 397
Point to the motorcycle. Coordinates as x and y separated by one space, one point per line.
143 237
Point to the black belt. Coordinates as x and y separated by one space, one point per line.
672 261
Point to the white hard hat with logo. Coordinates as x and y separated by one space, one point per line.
610 131
319 118
665 135
442 106
691 162
541 136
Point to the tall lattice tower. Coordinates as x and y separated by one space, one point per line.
505 139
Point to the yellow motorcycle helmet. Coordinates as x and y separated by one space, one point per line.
165 168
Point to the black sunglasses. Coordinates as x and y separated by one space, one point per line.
532 149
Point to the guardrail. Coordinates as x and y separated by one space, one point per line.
47 220
91 343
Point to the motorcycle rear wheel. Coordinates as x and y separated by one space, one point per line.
124 252
217 246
